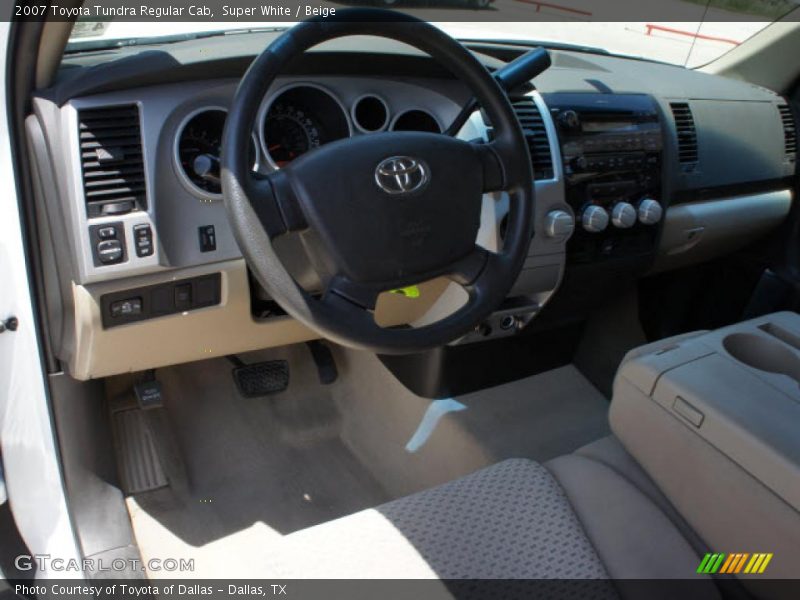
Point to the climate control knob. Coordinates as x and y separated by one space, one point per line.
594 218
623 215
650 211
559 223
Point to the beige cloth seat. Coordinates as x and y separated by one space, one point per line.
575 518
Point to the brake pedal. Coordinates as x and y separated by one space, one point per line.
261 379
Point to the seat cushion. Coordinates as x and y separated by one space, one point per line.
577 519
510 520
634 539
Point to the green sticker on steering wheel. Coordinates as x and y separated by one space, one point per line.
411 291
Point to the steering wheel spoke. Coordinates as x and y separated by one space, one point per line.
351 296
276 204
467 270
494 176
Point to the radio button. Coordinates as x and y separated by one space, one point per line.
579 163
569 120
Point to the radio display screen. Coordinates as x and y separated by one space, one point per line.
608 126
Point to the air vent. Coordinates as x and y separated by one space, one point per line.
789 130
687 135
535 133
112 160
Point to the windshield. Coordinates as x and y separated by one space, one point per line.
722 25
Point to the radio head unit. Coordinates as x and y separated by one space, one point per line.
611 146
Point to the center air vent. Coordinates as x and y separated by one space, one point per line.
687 135
535 133
111 160
789 130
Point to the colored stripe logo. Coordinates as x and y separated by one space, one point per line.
738 562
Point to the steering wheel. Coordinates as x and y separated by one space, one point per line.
389 209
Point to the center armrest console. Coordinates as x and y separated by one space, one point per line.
714 418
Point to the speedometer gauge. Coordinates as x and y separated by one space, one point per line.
299 119
289 132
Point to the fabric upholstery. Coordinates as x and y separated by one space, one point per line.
510 520
577 519
610 452
633 538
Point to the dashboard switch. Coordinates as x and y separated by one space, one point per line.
110 252
183 296
594 218
143 238
208 238
126 308
107 233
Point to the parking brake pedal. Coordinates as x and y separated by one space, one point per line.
260 379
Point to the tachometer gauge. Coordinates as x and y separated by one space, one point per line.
289 132
199 149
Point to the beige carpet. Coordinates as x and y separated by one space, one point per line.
260 469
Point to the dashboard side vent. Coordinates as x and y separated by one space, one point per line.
535 133
687 135
789 130
112 161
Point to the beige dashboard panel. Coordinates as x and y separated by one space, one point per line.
227 328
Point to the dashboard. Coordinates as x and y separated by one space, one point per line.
639 166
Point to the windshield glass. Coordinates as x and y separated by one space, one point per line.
722 25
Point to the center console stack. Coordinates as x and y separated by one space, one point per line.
611 146
714 418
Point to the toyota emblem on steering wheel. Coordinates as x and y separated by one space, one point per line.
401 175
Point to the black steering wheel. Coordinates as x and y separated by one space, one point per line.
390 209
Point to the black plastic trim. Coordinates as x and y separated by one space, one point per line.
163 299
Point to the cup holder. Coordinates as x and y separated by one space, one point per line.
763 353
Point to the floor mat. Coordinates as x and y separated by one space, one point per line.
261 468
539 417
